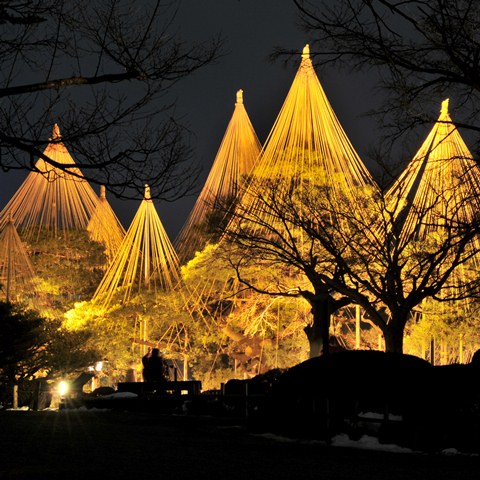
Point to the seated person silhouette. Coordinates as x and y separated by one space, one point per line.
154 368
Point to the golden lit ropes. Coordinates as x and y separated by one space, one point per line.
440 184
307 139
51 199
145 260
105 227
306 147
234 160
438 190
16 270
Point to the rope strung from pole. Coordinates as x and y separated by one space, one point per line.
51 199
145 261
307 147
16 270
440 185
235 158
105 227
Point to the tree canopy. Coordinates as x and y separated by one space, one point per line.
103 70
421 52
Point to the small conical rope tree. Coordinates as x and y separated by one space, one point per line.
145 261
105 227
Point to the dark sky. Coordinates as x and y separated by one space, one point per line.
251 28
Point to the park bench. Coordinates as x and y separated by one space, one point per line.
186 387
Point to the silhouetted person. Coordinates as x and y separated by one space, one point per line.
156 367
146 366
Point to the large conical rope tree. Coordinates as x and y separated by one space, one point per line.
307 154
145 262
235 158
307 142
411 241
436 204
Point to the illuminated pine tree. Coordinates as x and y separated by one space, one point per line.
437 194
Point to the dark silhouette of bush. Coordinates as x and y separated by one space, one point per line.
428 407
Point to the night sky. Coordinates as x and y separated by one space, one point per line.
205 101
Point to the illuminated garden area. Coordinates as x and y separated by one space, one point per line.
234 235
289 245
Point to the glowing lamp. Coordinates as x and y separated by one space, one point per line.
63 388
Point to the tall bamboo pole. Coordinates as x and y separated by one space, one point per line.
357 327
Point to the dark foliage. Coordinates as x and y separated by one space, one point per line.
31 345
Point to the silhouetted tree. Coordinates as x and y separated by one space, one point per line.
31 344
419 52
338 249
103 70
272 256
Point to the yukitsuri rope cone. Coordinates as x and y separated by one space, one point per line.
306 147
440 188
16 270
50 199
235 158
145 261
441 181
105 227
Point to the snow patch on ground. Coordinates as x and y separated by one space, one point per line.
83 409
366 442
119 395
280 438
379 416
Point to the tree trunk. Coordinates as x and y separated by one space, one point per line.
315 339
318 332
393 337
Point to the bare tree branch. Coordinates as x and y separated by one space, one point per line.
104 71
